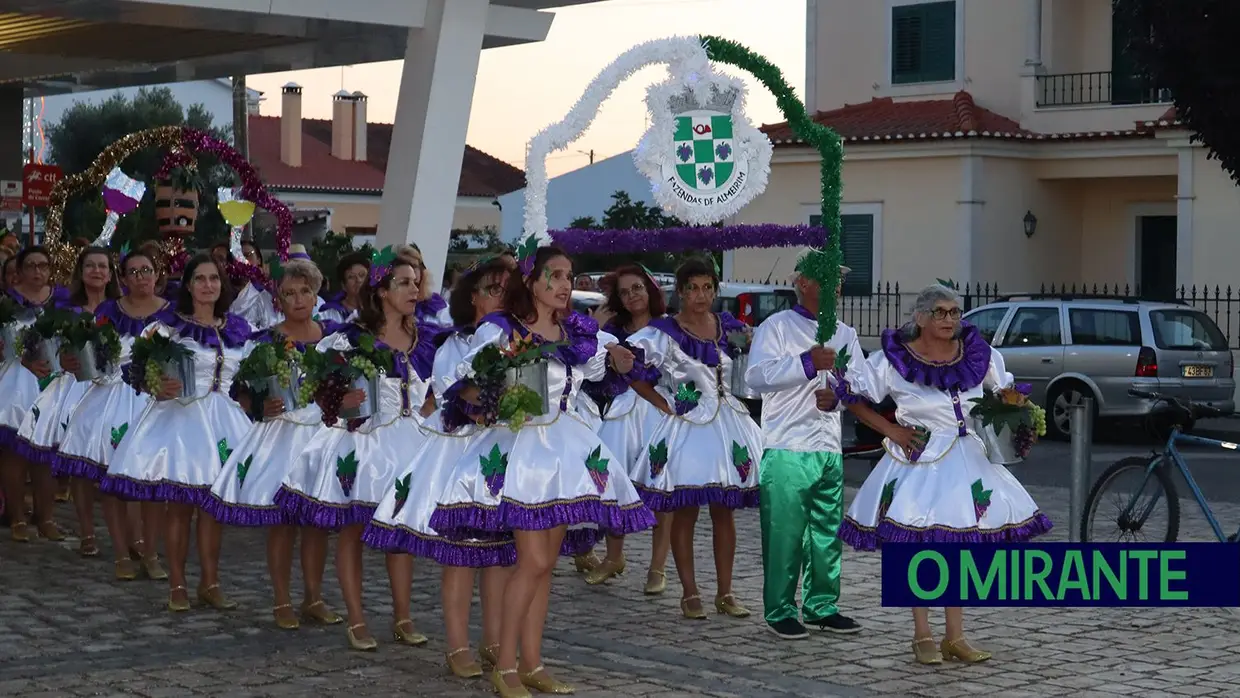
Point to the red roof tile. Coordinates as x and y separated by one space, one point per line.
481 174
885 120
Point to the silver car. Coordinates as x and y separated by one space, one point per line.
1069 348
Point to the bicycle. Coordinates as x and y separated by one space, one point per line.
1154 473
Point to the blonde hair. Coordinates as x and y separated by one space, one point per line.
304 271
426 289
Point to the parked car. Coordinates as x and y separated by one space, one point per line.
1072 347
585 301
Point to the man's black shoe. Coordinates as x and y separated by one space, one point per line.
836 623
789 629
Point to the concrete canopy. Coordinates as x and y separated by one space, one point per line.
56 46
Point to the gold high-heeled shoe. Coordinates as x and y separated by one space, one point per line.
586 563
692 614
126 571
50 531
368 644
656 582
285 618
467 668
504 690
727 604
178 600
926 652
20 531
153 570
213 597
960 650
405 633
543 682
319 612
489 654
606 570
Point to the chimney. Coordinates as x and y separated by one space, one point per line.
290 125
360 126
342 126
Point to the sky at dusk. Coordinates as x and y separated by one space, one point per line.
522 89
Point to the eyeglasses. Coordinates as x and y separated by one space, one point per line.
638 289
37 266
140 272
945 313
492 290
95 266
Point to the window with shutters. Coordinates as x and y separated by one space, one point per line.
923 42
857 244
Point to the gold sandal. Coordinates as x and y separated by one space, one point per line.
361 645
320 613
468 668
50 531
502 687
727 604
285 618
926 652
691 614
20 531
586 563
656 582
490 654
213 597
960 650
546 683
154 571
404 632
606 570
178 599
126 571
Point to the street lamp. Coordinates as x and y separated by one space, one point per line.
1031 224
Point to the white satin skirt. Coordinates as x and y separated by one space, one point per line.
44 426
98 424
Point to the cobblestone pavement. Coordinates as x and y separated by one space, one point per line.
67 629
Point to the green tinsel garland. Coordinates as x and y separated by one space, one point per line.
821 265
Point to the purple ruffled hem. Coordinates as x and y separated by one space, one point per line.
138 490
579 541
240 515
890 532
472 521
72 466
304 511
685 497
401 540
36 455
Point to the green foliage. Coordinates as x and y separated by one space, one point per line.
626 214
326 253
87 128
472 239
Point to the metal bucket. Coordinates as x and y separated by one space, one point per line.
1000 445
183 370
49 350
370 403
286 395
533 376
88 368
740 388
8 336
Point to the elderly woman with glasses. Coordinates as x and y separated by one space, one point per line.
935 485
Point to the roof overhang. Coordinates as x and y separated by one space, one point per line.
54 46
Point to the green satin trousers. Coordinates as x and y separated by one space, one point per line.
801 508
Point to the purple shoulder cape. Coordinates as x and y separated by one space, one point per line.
127 325
964 372
580 335
705 351
421 358
234 333
427 310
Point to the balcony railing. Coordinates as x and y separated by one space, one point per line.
1102 87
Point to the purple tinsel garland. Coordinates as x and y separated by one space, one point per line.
728 237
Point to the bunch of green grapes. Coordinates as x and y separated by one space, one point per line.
305 392
1039 419
153 376
284 373
364 366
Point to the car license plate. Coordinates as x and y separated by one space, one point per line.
1198 371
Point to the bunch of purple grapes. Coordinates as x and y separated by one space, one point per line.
489 394
329 395
1023 440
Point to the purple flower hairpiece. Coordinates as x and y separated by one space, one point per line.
381 264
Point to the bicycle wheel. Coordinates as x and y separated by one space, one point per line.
1109 502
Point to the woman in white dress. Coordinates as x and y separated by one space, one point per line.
351 273
551 474
175 451
940 489
39 437
107 411
244 493
19 388
338 479
633 300
403 525
706 452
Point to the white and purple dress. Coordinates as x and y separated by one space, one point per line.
626 419
334 311
950 492
254 303
554 471
41 431
110 406
342 474
175 450
402 520
433 311
244 493
709 452
19 388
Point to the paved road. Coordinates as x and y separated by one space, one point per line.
66 629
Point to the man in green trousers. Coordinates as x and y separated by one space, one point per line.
801 477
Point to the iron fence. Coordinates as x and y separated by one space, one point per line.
890 306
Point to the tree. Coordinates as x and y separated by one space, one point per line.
472 239
86 129
326 252
1187 47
